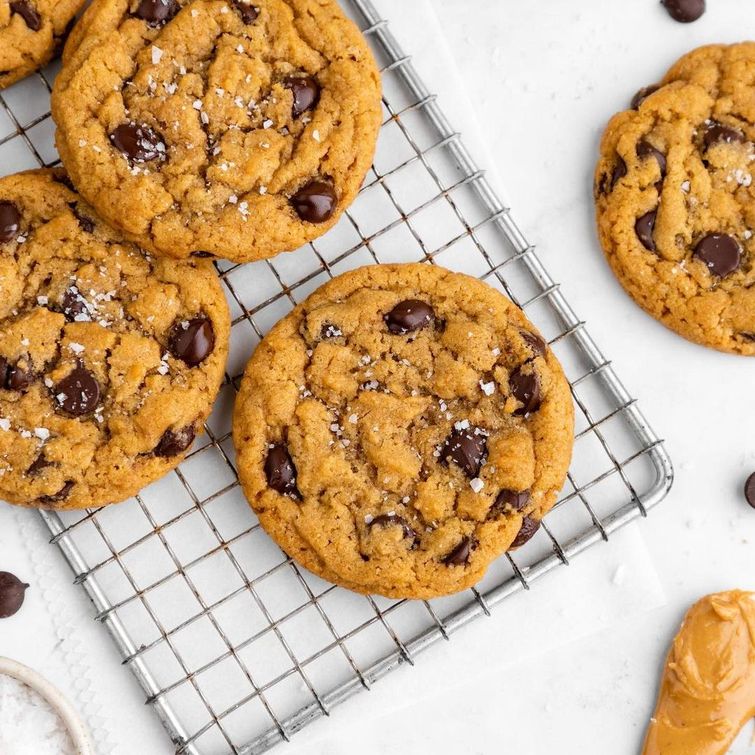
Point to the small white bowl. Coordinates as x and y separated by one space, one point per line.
71 720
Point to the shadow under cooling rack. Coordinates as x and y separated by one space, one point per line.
236 646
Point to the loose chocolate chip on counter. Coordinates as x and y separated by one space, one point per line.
61 495
466 448
509 499
750 490
535 342
389 520
174 442
525 386
280 470
716 133
78 393
721 253
529 527
18 377
306 92
459 556
642 95
74 306
28 12
316 202
156 12
192 340
644 227
684 11
646 149
12 594
10 221
138 143
408 316
248 12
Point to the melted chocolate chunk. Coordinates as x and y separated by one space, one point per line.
529 527
721 254
203 255
717 133
525 387
468 449
192 340
38 465
408 316
19 377
139 143
644 227
750 490
78 393
684 11
535 342
28 12
12 594
10 221
507 500
280 471
156 12
86 224
619 171
61 495
328 331
306 92
248 12
74 306
390 520
459 556
642 95
645 150
316 202
174 442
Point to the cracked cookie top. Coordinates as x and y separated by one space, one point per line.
109 359
30 33
402 428
675 200
217 127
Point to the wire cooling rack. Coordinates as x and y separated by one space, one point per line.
236 647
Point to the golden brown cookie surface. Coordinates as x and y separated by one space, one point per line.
109 359
402 428
30 33
675 200
240 130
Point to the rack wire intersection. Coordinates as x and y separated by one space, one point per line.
235 646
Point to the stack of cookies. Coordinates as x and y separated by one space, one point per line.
395 433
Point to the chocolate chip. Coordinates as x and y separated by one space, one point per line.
247 11
306 92
328 331
619 171
529 527
203 255
28 12
643 94
684 11
139 143
316 202
459 556
61 495
389 520
10 220
156 12
85 223
38 465
720 253
12 594
525 387
750 490
78 393
645 150
61 177
280 470
716 133
74 306
174 442
535 342
466 448
19 377
644 227
192 340
507 500
747 336
408 316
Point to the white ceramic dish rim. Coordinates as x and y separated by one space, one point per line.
71 719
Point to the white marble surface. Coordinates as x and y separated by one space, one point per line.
538 81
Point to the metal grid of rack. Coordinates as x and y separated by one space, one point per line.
235 645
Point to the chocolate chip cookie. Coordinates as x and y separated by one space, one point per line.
401 429
30 33
109 359
676 204
218 127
